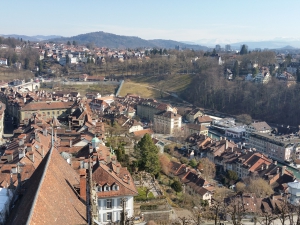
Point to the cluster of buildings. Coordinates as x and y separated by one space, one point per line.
74 54
56 160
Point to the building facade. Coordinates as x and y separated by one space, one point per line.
147 109
167 122
277 147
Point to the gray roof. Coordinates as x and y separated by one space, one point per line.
261 126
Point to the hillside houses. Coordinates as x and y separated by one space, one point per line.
192 180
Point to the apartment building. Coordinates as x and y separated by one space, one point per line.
278 147
148 108
260 127
47 109
167 122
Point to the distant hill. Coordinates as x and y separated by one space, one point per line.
102 39
267 44
171 44
288 47
30 38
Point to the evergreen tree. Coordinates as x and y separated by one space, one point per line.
236 69
68 43
8 61
14 58
244 50
88 60
298 75
177 186
214 52
148 152
254 71
40 66
67 59
74 43
26 64
160 51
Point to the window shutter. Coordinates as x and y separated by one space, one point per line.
104 217
99 203
113 203
118 203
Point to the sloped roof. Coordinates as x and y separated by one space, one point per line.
261 126
46 105
103 174
50 197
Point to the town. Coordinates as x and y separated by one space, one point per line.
80 135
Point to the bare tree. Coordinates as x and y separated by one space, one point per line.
235 209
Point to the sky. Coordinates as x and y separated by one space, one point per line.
189 20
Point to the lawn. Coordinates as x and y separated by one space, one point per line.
142 194
150 86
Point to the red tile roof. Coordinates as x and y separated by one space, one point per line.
50 197
46 106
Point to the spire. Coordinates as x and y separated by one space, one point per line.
52 139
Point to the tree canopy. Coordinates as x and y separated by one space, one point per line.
207 168
176 185
244 50
148 155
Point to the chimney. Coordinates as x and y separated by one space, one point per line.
10 157
29 148
71 143
83 184
283 170
275 162
118 169
114 159
277 171
226 144
21 153
21 142
31 156
45 131
267 167
231 149
108 158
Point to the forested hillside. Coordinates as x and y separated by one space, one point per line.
273 102
103 39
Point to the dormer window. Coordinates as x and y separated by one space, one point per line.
115 187
106 188
99 188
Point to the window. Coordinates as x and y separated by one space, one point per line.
106 188
108 203
115 187
99 188
109 216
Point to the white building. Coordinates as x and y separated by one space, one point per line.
136 126
261 127
294 191
235 132
113 184
3 61
167 122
